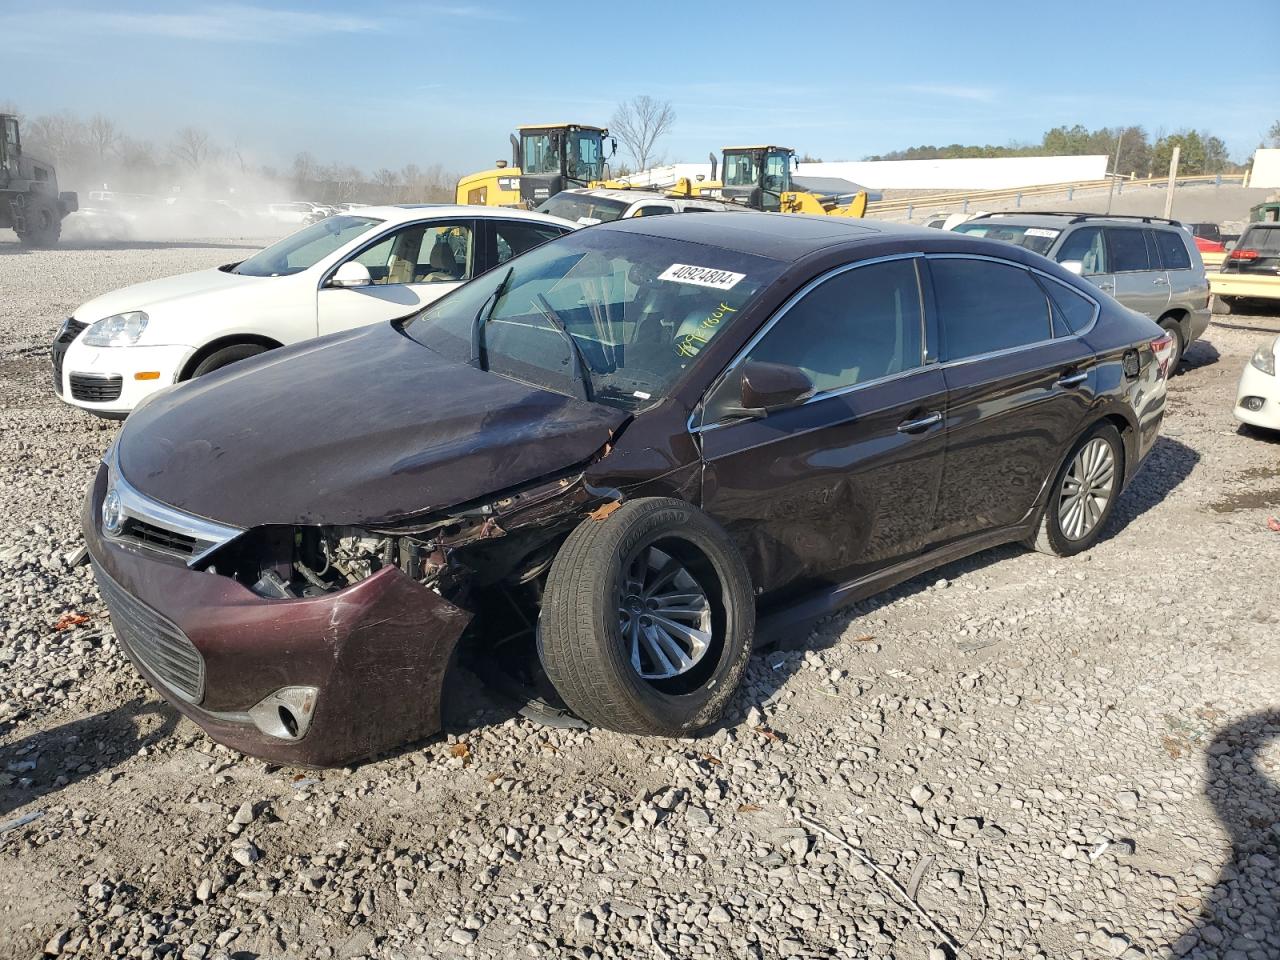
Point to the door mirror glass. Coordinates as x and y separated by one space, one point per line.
351 274
766 387
1075 266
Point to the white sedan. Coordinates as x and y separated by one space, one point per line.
1258 396
347 271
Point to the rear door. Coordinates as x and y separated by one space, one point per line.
845 483
1140 281
1017 395
1188 287
411 267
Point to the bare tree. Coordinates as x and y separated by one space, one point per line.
1274 134
305 171
103 135
640 123
192 147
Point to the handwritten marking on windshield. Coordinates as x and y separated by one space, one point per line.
693 341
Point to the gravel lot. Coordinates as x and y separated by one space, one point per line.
1015 756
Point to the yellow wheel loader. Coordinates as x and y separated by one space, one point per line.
545 159
760 177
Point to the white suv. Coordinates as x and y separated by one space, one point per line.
346 271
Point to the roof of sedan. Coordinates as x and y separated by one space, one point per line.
405 212
781 236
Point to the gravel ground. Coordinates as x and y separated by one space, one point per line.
1014 756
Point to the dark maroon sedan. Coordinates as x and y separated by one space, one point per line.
616 451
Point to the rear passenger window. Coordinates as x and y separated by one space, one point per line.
653 210
1128 250
860 325
513 239
1072 310
986 306
1173 252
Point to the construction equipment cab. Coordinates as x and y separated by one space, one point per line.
545 159
757 176
30 203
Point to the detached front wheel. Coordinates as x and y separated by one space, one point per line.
648 619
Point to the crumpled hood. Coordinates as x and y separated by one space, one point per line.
155 293
359 427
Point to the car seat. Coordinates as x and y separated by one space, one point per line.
443 264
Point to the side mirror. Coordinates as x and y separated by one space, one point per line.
351 274
1075 266
766 387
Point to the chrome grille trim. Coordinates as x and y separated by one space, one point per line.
153 641
190 538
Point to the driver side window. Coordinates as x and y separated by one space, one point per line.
860 325
418 253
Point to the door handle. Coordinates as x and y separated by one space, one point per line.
1161 281
923 423
1073 379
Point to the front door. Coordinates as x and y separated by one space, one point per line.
845 483
1016 394
410 267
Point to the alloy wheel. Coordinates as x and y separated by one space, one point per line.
1086 489
664 615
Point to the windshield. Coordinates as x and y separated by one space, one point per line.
741 170
537 154
583 208
639 308
306 248
1039 239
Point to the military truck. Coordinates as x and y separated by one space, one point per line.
30 203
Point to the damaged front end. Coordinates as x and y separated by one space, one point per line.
321 645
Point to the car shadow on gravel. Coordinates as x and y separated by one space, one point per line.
1241 914
1202 353
1169 463
66 754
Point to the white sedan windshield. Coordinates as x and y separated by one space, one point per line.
306 248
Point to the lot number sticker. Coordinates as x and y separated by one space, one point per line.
701 276
1041 232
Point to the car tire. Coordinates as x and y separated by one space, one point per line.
1171 326
602 648
1223 306
1083 494
43 224
227 355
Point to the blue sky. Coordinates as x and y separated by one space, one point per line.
397 82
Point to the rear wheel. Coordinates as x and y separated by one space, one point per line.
1083 494
648 619
1225 305
227 355
42 225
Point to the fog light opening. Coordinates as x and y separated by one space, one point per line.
289 722
285 714
1253 404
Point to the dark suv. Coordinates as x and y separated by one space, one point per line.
1148 264
608 458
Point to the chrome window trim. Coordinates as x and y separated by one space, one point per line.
695 428
207 534
778 314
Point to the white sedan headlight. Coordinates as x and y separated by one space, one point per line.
1264 358
122 330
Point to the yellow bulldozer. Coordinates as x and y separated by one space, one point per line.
760 177
545 159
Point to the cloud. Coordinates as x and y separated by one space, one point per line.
979 94
217 23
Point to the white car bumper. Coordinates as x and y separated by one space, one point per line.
112 380
1261 391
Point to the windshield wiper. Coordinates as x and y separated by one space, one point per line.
580 369
482 317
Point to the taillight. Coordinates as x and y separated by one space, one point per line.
1244 254
1162 347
